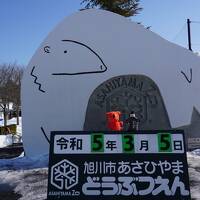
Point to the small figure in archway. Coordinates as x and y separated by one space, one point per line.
113 121
133 122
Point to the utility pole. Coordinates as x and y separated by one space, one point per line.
189 34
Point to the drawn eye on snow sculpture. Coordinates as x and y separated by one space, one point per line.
188 78
47 49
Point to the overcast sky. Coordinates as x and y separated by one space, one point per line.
25 23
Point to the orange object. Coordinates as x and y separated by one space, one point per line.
113 121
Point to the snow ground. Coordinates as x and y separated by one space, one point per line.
25 176
194 173
28 177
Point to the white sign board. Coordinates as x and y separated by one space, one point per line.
118 165
113 143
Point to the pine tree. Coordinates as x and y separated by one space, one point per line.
125 8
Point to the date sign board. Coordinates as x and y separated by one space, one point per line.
118 165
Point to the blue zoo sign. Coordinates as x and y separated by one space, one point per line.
119 165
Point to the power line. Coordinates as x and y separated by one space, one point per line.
195 22
180 31
196 44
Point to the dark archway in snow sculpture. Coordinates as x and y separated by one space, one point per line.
126 93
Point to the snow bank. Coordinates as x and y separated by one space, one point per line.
196 152
23 162
5 140
31 184
25 176
194 173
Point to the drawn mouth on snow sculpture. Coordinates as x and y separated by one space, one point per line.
102 67
36 80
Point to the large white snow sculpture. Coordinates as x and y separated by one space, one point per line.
86 49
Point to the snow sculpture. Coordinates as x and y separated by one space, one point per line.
88 48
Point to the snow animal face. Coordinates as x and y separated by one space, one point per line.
72 58
65 54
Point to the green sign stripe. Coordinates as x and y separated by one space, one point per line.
97 142
128 143
164 142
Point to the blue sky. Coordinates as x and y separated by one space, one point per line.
25 23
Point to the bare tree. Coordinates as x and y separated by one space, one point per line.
16 89
5 76
10 85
